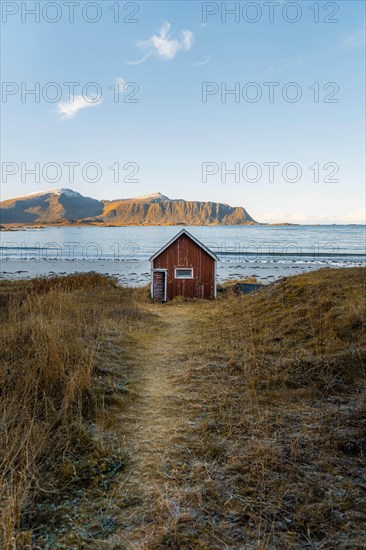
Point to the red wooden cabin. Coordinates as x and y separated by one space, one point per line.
183 267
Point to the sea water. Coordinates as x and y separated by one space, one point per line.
266 252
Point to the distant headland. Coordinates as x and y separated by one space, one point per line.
67 207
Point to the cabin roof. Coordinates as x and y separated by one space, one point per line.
247 287
190 236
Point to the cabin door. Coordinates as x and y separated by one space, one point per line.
159 285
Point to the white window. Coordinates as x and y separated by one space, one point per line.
183 273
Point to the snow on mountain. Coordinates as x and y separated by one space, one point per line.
63 205
157 195
60 191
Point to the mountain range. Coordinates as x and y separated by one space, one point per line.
67 207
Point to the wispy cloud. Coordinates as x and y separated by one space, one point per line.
68 109
354 40
120 84
139 61
163 45
202 63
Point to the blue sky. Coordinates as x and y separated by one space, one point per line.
169 132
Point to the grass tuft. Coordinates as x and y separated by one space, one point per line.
54 333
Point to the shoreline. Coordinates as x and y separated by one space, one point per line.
20 227
136 273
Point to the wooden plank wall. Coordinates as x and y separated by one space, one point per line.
186 253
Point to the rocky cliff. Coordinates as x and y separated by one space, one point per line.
65 206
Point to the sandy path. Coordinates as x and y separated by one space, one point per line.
151 424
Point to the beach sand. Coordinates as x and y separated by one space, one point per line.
136 273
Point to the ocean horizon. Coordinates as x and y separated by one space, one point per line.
264 252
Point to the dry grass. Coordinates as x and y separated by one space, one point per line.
273 453
244 424
56 335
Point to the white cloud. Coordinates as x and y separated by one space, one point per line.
120 84
357 216
299 217
139 61
164 46
282 217
279 216
68 109
355 40
187 40
202 63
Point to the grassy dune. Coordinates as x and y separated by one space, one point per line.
277 454
56 337
257 433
